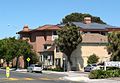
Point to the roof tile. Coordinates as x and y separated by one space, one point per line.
94 38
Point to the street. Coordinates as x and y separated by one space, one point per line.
48 77
26 77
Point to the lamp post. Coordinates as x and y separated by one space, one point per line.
64 63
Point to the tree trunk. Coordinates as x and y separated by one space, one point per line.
17 62
7 63
25 63
69 64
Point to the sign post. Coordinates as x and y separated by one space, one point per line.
7 72
64 63
28 60
105 66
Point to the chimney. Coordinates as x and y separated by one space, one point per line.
25 28
87 20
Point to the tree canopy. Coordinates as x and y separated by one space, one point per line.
113 46
79 17
6 49
68 39
11 48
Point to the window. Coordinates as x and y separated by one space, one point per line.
45 47
54 33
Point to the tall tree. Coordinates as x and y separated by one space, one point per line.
113 46
68 39
11 48
79 17
21 48
6 49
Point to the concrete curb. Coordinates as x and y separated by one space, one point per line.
21 70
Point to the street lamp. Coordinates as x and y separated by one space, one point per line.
64 63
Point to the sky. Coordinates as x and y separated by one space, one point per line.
14 14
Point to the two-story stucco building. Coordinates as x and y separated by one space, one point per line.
94 42
42 40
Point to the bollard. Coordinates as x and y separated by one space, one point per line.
7 72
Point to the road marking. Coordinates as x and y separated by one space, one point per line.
48 78
44 78
55 79
12 79
29 79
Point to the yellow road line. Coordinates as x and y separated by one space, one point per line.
44 79
12 79
28 79
55 79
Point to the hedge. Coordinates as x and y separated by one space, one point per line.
99 74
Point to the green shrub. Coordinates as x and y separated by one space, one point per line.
112 68
98 74
57 69
92 59
119 71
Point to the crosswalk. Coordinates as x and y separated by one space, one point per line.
15 79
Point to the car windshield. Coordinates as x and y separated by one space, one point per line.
34 65
37 66
94 65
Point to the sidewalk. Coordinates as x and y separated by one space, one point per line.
71 76
81 77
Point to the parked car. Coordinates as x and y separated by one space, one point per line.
91 67
34 68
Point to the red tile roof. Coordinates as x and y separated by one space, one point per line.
41 28
94 38
47 27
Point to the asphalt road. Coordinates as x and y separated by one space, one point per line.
25 77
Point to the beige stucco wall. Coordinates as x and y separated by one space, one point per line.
80 55
99 50
58 55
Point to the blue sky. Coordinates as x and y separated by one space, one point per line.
14 14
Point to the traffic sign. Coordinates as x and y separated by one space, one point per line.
28 59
